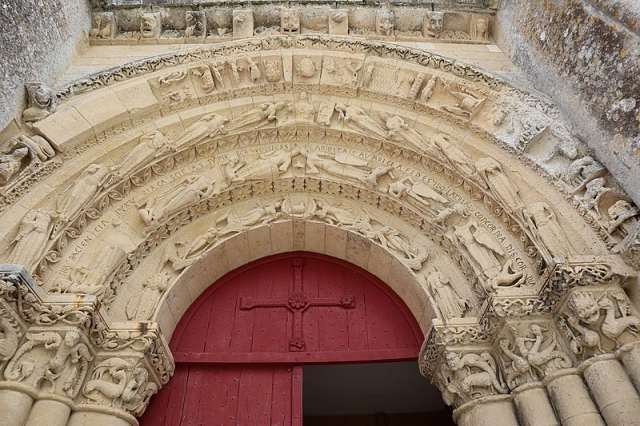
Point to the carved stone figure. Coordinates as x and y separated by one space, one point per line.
264 114
358 118
242 23
546 230
142 305
266 167
8 339
414 256
31 239
486 253
623 217
582 171
120 384
305 110
427 91
417 193
299 208
196 23
190 191
272 68
345 166
399 130
450 303
594 192
103 25
150 25
41 102
209 126
51 362
384 22
78 194
339 22
233 223
480 28
40 149
204 78
500 185
468 104
151 145
456 158
289 21
11 164
470 376
433 24
306 68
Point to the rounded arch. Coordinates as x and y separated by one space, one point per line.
448 158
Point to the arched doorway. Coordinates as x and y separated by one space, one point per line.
240 347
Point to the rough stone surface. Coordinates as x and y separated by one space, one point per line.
585 55
38 39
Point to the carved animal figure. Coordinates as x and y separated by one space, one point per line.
613 326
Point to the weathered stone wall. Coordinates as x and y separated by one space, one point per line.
586 55
37 40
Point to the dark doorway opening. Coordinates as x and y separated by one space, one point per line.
371 394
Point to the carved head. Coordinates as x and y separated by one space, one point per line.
436 21
339 16
306 68
149 25
453 361
585 307
40 95
71 338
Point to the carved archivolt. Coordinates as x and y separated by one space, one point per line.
393 159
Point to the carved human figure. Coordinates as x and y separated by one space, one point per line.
345 166
305 110
480 28
209 126
264 114
470 376
52 362
234 223
358 118
594 190
433 24
121 384
266 167
399 130
11 164
150 25
448 301
546 230
412 255
143 303
500 185
299 208
384 22
32 237
456 158
427 91
467 103
417 193
190 191
79 193
41 100
151 145
9 338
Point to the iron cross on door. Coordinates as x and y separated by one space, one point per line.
297 303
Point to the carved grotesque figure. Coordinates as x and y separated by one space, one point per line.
433 24
384 22
242 23
150 25
103 25
42 102
289 21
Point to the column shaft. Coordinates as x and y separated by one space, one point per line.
48 412
612 390
14 407
94 418
630 357
488 411
533 405
571 399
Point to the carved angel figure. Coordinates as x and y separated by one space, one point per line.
450 303
209 126
79 193
121 385
358 118
546 231
52 362
500 185
470 376
190 191
345 166
31 239
142 305
151 145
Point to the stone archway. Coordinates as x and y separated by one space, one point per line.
146 176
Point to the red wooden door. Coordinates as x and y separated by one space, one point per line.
239 346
